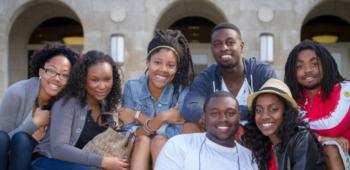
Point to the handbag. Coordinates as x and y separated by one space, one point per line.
112 142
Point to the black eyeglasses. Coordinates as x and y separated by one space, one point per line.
52 73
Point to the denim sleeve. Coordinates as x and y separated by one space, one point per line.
131 127
175 129
182 96
129 102
172 130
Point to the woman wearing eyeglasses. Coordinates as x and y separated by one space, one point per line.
93 89
25 106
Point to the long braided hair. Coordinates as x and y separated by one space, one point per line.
175 39
331 75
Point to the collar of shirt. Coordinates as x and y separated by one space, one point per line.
317 108
165 97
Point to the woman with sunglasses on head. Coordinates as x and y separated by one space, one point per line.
276 134
152 102
93 88
25 106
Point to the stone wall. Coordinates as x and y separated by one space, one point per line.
136 20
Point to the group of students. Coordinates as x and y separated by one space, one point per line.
246 118
301 123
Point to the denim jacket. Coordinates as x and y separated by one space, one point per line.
138 97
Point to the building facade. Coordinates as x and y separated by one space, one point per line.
270 29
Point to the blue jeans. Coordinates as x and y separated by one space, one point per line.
21 148
4 147
44 163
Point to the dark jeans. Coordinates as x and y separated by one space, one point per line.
21 149
44 163
4 147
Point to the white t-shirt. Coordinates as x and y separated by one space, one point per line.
196 152
241 97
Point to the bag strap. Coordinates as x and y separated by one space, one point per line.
130 145
111 120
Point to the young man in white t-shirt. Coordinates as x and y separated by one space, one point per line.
214 149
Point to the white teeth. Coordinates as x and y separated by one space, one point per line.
161 77
226 57
309 78
222 127
53 86
266 124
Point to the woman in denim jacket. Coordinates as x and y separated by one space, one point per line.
152 102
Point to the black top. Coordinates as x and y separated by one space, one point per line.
303 152
90 130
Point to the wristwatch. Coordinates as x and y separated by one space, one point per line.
137 115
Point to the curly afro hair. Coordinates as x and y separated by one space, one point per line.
49 51
76 86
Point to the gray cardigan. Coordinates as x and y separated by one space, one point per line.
66 125
16 106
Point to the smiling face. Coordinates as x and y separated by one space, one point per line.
54 76
162 67
227 46
99 81
269 111
222 120
309 70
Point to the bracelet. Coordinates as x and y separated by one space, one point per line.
137 115
146 127
146 130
